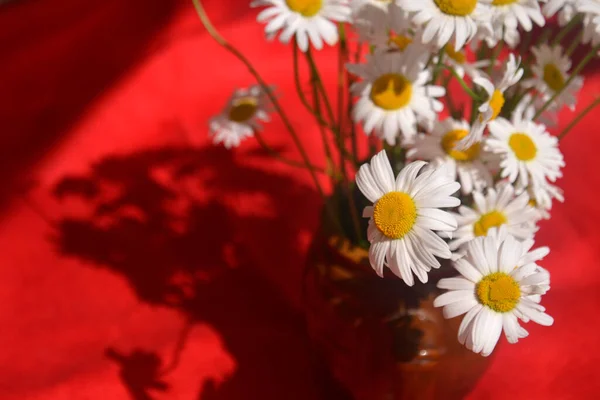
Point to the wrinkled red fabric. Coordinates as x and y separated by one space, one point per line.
139 261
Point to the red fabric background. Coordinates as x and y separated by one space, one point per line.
152 241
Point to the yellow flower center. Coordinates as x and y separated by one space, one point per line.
459 8
553 77
449 141
499 291
243 109
496 103
523 147
532 203
391 91
458 56
400 41
503 2
306 8
395 214
493 219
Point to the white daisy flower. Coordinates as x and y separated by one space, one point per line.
358 6
459 62
490 110
542 194
550 115
440 148
591 20
374 19
444 20
240 117
500 283
508 15
551 72
566 10
485 33
307 19
398 40
391 40
405 213
499 207
527 151
491 35
394 94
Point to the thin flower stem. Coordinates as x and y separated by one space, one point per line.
464 85
342 58
315 111
373 145
357 55
353 134
340 97
565 30
579 117
480 55
574 74
576 42
524 46
321 87
438 66
326 147
495 55
508 109
225 44
449 102
328 154
301 94
283 159
543 38
532 100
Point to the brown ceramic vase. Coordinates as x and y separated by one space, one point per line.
381 339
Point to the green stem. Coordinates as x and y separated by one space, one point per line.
464 85
316 111
564 31
579 117
353 134
495 55
284 160
328 108
301 94
454 113
286 121
508 109
342 58
438 66
543 38
372 141
525 42
576 42
574 74
342 55
326 147
320 86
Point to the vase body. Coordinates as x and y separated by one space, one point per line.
381 339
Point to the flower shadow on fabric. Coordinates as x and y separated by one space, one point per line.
165 220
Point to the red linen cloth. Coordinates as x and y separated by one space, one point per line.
142 267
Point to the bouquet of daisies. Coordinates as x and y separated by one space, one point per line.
455 99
